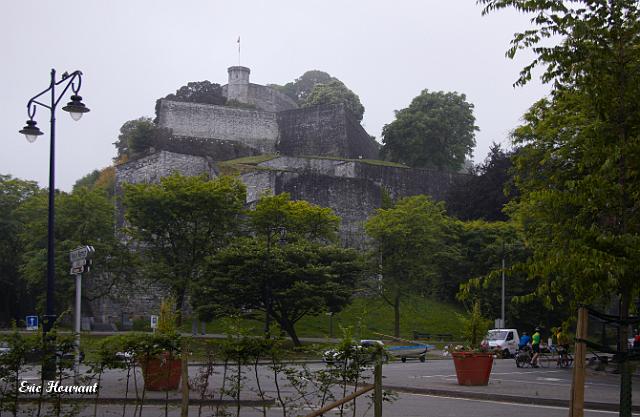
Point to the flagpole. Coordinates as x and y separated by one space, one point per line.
238 50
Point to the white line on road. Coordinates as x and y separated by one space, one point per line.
553 407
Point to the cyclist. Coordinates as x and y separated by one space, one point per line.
524 340
563 347
535 346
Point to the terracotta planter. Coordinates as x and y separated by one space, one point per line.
161 373
472 368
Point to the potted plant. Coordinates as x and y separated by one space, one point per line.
159 354
473 362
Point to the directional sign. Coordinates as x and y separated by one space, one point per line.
154 322
32 322
77 264
82 252
77 270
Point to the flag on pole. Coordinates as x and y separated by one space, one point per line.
238 50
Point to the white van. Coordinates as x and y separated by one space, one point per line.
506 340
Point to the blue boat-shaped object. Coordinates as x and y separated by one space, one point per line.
410 351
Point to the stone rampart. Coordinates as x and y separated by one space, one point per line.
326 130
254 128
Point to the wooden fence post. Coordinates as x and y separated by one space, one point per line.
576 408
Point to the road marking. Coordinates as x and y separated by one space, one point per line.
514 403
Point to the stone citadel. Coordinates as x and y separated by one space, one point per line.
320 154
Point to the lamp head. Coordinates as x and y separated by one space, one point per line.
76 107
31 131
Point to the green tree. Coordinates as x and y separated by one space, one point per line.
179 223
15 300
335 92
204 92
288 280
287 268
578 173
301 87
484 193
437 130
138 136
84 217
103 179
408 248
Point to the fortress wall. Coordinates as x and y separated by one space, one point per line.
254 128
360 144
326 130
220 150
404 182
258 183
333 167
352 199
150 169
268 99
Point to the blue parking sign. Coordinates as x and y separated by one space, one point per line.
32 322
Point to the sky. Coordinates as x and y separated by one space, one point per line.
135 51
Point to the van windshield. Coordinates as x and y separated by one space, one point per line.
497 335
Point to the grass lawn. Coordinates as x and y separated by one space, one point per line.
368 316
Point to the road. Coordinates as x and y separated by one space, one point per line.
424 389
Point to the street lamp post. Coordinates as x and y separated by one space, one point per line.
31 131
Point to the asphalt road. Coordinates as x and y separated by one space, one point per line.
520 392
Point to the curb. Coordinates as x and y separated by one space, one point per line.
588 405
147 401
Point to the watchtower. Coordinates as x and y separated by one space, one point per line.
238 87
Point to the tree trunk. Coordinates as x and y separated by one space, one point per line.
396 315
287 326
625 369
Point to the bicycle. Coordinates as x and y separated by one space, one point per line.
565 360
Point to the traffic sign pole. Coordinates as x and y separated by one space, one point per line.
76 373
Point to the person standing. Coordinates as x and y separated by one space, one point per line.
535 346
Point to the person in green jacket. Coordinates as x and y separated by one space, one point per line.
535 346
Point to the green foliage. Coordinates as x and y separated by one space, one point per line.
577 171
475 326
84 217
407 241
167 318
103 179
138 136
179 223
286 268
483 194
299 89
437 130
15 297
280 217
335 92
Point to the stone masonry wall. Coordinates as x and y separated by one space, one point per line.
325 130
150 169
254 128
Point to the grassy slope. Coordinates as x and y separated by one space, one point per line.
368 316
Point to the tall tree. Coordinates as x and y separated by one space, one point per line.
437 130
84 217
302 86
335 92
483 194
138 136
578 173
287 268
15 300
407 248
179 223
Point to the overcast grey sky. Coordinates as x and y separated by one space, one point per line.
135 51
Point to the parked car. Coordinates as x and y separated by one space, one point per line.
335 356
504 340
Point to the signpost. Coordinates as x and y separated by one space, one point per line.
154 322
32 322
80 259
